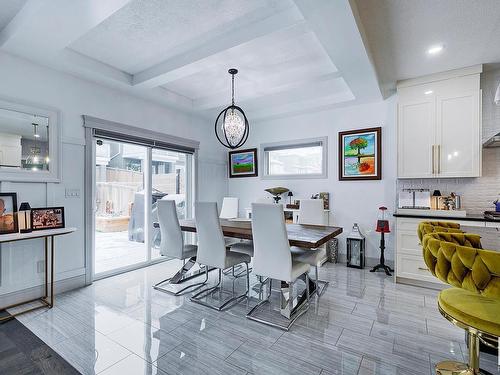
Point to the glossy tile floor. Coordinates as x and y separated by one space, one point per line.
363 324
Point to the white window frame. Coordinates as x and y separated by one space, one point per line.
264 162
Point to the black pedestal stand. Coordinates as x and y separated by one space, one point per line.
382 265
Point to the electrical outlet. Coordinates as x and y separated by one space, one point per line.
72 193
40 266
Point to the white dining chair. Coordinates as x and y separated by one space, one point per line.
311 212
229 208
172 246
212 252
273 260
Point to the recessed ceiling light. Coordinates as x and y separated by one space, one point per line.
428 92
434 50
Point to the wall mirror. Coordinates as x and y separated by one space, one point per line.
29 143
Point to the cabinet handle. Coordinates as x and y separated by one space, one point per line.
439 158
423 269
433 162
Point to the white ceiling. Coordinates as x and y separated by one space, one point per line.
9 10
293 55
400 32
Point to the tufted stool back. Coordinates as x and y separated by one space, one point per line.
457 259
426 227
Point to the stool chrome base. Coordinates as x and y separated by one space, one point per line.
453 368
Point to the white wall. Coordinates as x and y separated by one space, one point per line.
350 202
27 82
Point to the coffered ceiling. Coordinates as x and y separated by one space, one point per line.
293 55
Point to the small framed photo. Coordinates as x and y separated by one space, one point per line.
243 163
47 218
8 213
360 154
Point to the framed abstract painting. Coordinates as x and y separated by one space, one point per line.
360 154
243 163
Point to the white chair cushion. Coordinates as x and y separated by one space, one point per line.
189 251
310 256
233 258
229 241
298 268
244 247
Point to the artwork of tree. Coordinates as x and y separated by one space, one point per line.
359 144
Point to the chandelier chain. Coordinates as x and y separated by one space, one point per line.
232 89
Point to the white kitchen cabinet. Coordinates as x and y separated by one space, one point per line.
439 125
410 265
416 136
458 139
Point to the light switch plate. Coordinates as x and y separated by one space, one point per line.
72 193
40 266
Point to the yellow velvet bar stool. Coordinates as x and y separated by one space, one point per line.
426 227
473 303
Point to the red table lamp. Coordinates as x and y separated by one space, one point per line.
382 228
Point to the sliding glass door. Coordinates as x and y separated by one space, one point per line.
129 181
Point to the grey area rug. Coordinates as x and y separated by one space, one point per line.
22 352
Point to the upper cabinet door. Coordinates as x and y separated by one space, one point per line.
458 134
416 137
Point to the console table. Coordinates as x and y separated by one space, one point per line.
48 235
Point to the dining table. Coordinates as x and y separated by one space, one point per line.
301 235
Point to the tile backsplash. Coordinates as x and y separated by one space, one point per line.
477 194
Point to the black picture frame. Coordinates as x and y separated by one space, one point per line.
252 173
4 217
36 211
376 156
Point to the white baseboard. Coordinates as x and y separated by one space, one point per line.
37 291
420 283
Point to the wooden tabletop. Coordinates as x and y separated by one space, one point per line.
308 236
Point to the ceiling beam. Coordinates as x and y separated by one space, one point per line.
190 62
334 24
45 27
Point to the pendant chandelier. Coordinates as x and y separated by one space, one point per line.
231 125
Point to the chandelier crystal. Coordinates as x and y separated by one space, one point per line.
231 125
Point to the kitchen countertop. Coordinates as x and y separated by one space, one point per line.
468 217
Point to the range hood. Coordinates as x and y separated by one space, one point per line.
493 141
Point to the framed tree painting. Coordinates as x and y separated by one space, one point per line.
243 163
360 154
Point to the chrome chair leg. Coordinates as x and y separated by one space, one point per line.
181 277
287 308
236 271
197 298
321 285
